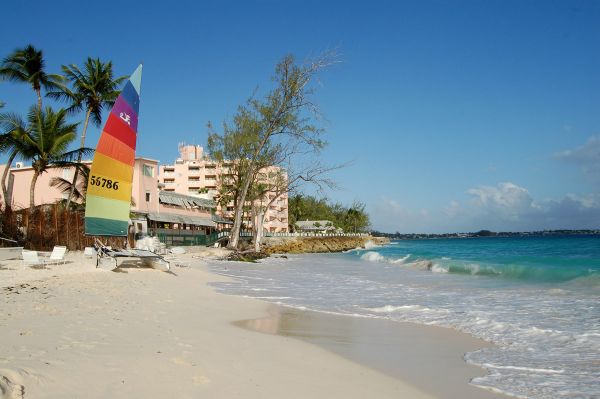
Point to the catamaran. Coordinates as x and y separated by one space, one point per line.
108 197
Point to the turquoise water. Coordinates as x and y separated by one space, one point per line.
536 298
534 259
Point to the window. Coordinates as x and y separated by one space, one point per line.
147 197
148 170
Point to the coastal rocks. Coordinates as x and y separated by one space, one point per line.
321 244
246 256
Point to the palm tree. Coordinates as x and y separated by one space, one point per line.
66 185
47 139
93 89
13 129
26 65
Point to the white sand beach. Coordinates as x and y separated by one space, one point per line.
73 331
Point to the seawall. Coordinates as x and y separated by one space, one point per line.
296 245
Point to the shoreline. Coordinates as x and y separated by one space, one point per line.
383 345
73 328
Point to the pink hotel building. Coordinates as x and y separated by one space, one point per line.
196 175
179 195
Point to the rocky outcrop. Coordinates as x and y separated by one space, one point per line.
297 245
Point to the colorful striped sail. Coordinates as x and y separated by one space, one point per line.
111 175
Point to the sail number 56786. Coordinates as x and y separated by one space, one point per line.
102 182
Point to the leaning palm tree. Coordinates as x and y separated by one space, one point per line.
93 90
48 138
12 132
26 65
65 186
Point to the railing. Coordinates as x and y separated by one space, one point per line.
269 234
174 238
305 234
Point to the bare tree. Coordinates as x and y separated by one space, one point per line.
262 129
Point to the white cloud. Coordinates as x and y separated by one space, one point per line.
507 200
508 206
586 156
504 207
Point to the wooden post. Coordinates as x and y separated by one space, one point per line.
67 228
77 231
40 223
55 224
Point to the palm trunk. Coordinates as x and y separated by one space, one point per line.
7 201
74 183
39 97
36 173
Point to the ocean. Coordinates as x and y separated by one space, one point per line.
536 298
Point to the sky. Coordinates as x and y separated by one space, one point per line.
454 115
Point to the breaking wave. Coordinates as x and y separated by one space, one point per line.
372 256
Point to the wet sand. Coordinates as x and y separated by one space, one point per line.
429 358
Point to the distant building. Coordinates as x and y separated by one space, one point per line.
194 174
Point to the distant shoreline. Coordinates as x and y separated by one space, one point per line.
487 233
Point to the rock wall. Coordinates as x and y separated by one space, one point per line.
296 245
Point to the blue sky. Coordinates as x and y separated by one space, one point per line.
457 115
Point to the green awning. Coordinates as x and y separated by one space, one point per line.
184 201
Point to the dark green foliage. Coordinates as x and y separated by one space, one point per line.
264 131
92 90
26 65
353 219
46 136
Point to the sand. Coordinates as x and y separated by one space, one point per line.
74 330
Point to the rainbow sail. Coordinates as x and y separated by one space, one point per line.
111 175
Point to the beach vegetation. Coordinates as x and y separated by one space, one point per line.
46 136
27 65
267 131
351 219
92 89
77 191
12 131
23 65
